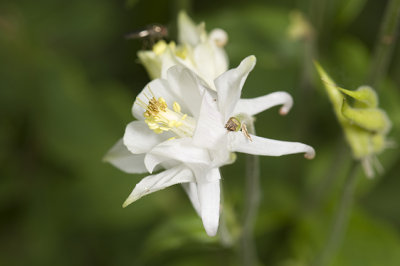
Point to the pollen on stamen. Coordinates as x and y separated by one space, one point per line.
160 118
172 123
158 131
165 128
176 107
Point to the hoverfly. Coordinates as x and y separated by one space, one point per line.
150 34
235 125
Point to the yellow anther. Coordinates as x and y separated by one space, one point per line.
171 138
160 118
176 107
165 128
172 123
158 131
159 47
172 45
181 52
152 126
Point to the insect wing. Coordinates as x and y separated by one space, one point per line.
138 34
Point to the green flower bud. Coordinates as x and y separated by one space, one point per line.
364 124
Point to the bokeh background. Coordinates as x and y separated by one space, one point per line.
68 79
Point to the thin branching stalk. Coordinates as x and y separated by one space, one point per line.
385 43
252 200
341 218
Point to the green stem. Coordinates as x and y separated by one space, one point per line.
385 43
321 190
252 200
226 238
341 219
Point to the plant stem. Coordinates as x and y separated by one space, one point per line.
341 218
315 198
252 200
225 236
385 43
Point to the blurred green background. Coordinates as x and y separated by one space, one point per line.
68 79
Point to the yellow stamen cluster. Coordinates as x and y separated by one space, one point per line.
160 118
162 46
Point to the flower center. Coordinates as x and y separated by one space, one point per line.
161 47
160 118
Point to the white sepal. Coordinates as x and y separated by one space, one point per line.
269 147
153 183
257 105
229 86
191 190
188 31
122 158
209 130
209 198
138 138
181 150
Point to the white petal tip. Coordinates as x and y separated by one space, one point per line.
150 163
283 111
248 63
310 154
252 58
129 200
125 204
210 225
219 37
211 231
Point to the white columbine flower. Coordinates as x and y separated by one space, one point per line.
183 128
200 52
217 117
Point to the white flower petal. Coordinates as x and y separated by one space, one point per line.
185 83
210 126
181 150
191 190
221 61
219 37
151 62
122 158
138 138
209 197
269 147
153 183
188 31
168 60
156 88
229 86
211 61
257 105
